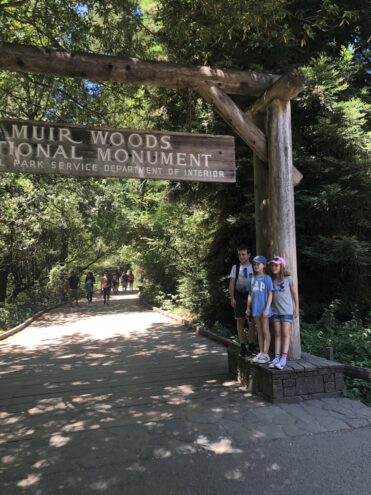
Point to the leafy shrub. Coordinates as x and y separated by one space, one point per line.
351 341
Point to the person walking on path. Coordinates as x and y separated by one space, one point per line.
131 280
239 283
115 282
124 281
259 306
106 287
73 288
285 307
89 286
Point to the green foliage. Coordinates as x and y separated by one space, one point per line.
358 389
333 202
351 341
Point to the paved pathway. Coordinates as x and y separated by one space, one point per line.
120 400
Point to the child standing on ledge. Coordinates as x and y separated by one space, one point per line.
259 305
239 284
285 306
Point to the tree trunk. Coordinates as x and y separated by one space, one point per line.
3 284
281 199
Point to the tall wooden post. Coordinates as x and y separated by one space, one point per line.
261 195
262 219
281 197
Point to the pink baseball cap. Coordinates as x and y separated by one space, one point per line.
278 260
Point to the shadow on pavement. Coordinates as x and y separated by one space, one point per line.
118 400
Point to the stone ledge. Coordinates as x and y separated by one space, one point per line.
310 377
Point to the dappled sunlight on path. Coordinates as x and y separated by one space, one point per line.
77 380
116 399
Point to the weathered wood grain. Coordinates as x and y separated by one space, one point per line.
38 147
261 195
234 116
281 199
285 88
95 67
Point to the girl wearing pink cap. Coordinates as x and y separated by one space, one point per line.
285 307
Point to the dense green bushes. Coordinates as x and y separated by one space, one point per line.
351 341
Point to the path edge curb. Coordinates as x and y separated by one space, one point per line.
26 323
197 329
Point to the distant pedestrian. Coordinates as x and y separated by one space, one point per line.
73 288
259 306
131 280
106 287
89 286
285 307
125 281
115 282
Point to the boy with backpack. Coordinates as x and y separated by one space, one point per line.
240 278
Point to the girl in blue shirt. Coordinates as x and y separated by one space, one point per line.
259 306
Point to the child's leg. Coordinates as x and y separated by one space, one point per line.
252 330
260 333
277 337
277 343
241 329
266 334
286 326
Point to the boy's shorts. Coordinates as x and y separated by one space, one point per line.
241 304
281 318
74 293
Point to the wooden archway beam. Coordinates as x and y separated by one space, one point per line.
285 88
236 119
52 62
212 84
240 123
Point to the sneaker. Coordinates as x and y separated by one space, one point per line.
274 362
281 364
257 357
264 359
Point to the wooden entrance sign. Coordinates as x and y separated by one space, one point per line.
38 147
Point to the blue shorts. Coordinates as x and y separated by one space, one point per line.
282 318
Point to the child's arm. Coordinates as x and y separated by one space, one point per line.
295 296
231 292
248 309
268 305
